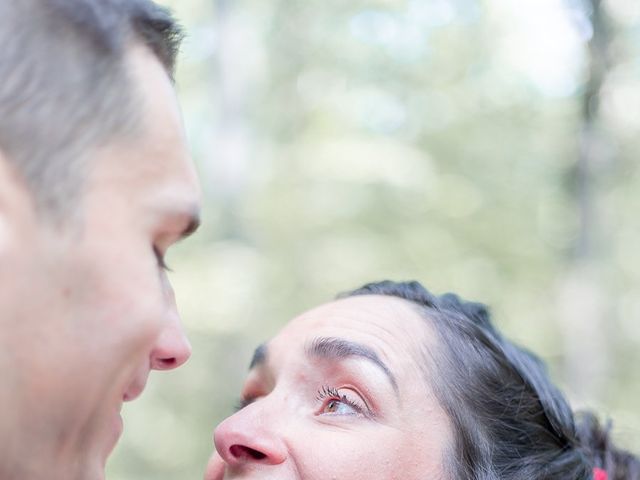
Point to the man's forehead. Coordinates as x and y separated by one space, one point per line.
158 149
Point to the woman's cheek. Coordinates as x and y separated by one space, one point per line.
352 457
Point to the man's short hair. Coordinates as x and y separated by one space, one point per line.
65 88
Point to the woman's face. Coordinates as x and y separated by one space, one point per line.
342 392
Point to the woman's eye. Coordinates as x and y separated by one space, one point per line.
336 402
339 407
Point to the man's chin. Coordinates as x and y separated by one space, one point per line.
96 469
97 472
92 469
114 432
115 429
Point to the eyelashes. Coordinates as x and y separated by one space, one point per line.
329 392
336 403
332 401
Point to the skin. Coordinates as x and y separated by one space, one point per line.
340 393
87 308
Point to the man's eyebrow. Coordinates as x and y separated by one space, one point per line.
336 348
259 356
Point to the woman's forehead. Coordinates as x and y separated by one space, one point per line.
388 325
362 311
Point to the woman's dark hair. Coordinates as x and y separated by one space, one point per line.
509 421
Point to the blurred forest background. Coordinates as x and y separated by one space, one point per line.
486 147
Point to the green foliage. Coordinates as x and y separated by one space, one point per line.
344 142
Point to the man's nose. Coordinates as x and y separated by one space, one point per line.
245 439
172 348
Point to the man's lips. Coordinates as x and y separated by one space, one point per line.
133 391
135 388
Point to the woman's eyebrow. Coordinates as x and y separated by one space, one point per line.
336 348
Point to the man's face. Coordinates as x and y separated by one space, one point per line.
87 309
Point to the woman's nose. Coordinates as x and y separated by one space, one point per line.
247 438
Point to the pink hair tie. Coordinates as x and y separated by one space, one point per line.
600 474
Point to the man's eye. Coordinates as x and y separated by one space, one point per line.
160 259
335 402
